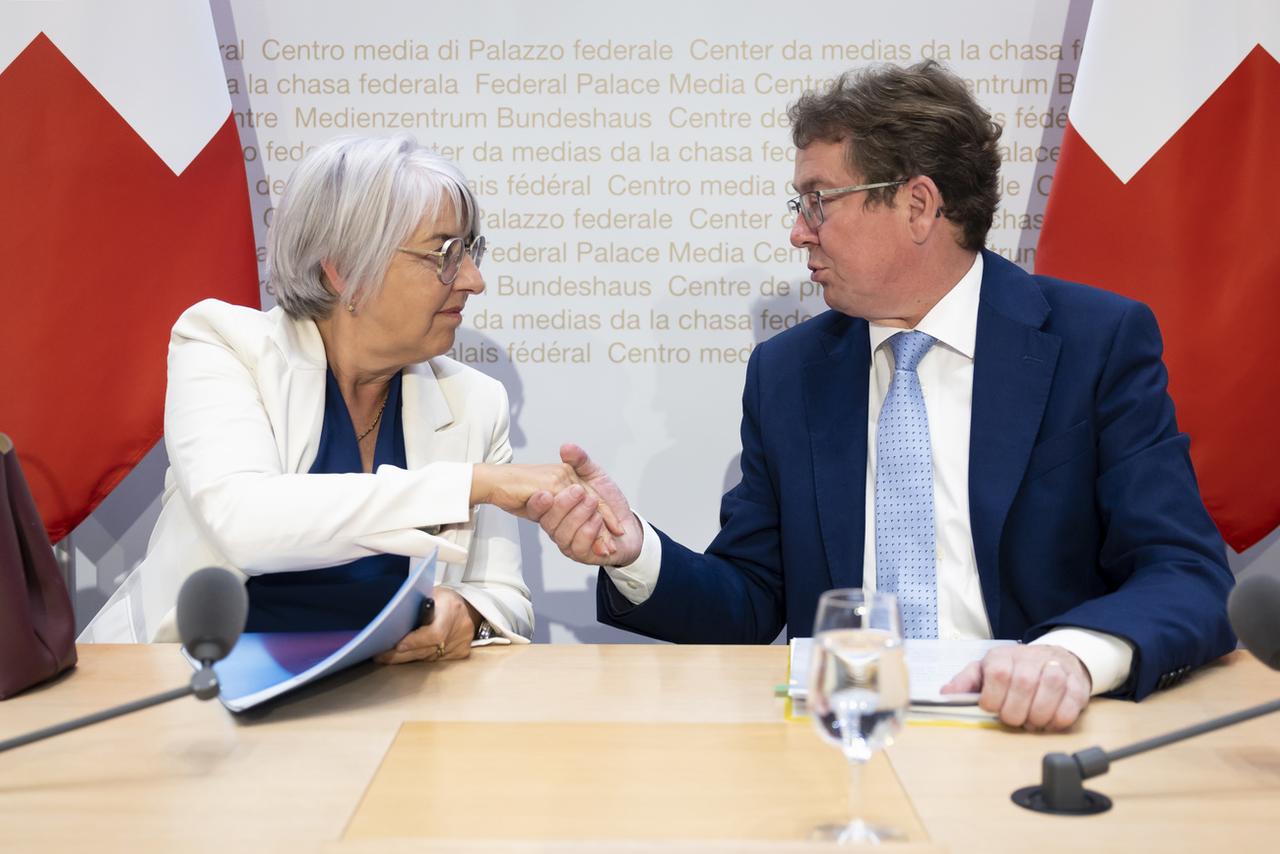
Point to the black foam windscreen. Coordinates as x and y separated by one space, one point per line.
1254 609
212 607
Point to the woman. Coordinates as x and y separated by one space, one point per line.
331 435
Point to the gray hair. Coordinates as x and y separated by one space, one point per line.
352 202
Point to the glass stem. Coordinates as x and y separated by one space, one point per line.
855 791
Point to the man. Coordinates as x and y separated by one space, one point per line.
997 448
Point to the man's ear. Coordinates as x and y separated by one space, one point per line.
924 207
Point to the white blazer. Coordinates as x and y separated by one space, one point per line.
243 412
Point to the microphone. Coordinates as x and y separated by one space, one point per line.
212 607
1253 609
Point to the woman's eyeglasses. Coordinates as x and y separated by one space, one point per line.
449 256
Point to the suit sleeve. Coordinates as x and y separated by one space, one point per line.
733 593
1161 555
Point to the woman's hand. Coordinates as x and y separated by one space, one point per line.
510 486
447 637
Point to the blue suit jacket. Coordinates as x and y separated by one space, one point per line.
1083 503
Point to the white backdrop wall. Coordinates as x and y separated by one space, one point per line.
633 164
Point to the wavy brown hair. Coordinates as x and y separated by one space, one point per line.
902 122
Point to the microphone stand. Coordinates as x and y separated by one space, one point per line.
1061 790
204 685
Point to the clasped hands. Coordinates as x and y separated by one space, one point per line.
590 521
526 490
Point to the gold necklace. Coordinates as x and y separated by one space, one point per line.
377 417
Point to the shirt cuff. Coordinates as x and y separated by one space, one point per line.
1107 657
488 608
636 581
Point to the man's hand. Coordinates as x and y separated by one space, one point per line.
447 637
509 487
574 518
1041 688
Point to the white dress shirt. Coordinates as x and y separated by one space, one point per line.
946 379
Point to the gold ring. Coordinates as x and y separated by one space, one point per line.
439 652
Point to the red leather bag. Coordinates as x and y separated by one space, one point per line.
37 625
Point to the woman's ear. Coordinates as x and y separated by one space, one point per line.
336 283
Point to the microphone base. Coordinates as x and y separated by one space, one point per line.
1061 790
204 682
1089 802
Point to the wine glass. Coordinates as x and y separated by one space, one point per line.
857 690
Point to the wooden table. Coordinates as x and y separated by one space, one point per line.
358 763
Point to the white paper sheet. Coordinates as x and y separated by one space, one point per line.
930 665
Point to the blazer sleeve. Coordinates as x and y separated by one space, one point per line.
491 579
227 464
733 593
1161 555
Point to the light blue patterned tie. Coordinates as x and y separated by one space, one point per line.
905 541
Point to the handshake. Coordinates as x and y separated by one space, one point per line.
575 502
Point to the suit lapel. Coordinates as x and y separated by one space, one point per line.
1013 369
300 395
427 415
835 394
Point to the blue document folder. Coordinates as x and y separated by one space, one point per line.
264 665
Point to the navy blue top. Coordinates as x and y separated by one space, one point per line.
342 597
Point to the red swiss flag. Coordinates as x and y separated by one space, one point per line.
1164 193
106 234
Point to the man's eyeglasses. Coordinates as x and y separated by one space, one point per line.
809 205
449 257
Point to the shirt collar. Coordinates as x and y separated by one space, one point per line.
953 321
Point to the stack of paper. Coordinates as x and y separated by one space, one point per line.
930 665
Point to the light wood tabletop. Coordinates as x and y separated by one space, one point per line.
629 748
